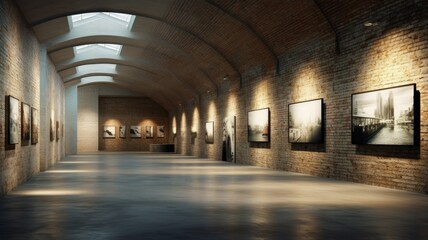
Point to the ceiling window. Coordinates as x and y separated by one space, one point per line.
85 18
98 47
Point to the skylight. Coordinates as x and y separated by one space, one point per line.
99 46
84 18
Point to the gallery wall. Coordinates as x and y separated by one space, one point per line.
391 52
27 74
87 108
135 112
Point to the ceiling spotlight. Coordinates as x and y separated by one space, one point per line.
208 91
225 78
370 24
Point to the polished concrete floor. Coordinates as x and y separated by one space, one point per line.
147 196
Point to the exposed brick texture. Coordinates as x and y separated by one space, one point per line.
131 111
20 63
392 53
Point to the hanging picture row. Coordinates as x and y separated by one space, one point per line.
379 117
135 131
23 123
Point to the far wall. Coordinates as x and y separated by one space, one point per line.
131 111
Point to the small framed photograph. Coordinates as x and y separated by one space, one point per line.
109 131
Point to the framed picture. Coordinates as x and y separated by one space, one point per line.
51 130
259 125
122 131
149 131
109 131
57 130
229 140
13 120
161 131
135 131
34 126
305 122
384 117
209 132
25 123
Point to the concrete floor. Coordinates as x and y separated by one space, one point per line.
146 196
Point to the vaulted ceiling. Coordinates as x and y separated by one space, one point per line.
175 50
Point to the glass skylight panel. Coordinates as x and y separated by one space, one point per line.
99 46
85 18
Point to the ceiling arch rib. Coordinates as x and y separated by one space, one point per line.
236 52
141 63
88 35
175 90
249 28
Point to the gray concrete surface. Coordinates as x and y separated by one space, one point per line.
168 196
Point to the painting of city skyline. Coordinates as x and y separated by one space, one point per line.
384 117
305 122
258 125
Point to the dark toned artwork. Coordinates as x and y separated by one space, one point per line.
34 126
305 122
109 131
229 140
259 125
135 131
25 123
161 131
149 131
57 130
51 132
122 131
384 117
13 120
209 132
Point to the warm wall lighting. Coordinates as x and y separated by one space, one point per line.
49 193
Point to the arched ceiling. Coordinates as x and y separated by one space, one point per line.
175 50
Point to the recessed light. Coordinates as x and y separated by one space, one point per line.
370 24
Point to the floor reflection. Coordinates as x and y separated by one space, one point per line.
143 196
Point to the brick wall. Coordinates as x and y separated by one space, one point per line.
21 61
131 111
392 53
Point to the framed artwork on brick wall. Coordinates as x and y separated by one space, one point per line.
135 131
229 139
51 130
109 131
13 120
209 132
384 117
259 125
34 126
161 131
305 122
149 131
25 123
57 130
122 131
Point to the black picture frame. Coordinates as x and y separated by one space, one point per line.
385 116
305 121
13 120
258 125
